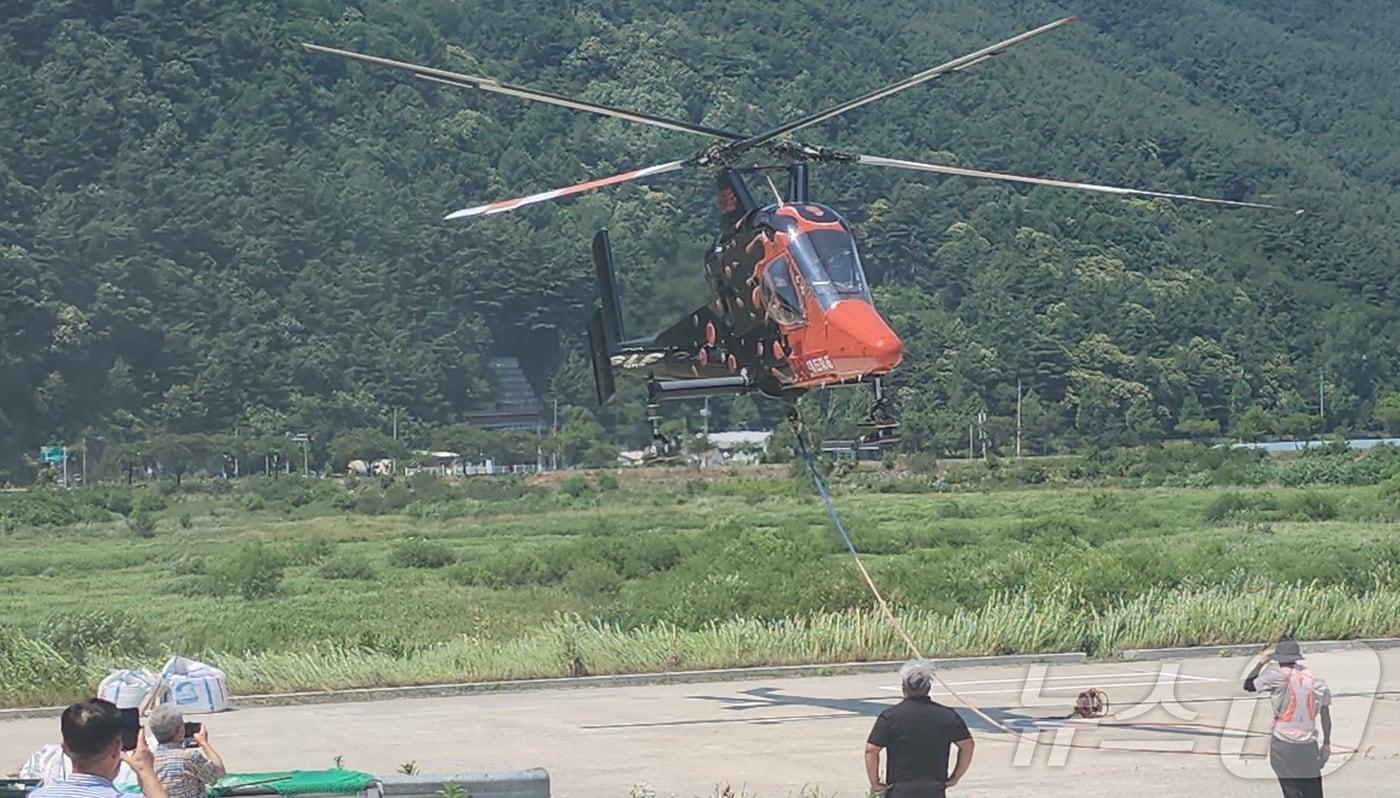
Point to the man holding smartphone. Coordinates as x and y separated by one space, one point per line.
184 771
92 739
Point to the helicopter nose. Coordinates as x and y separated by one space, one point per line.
860 336
888 350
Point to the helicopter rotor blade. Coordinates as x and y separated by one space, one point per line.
957 64
463 81
502 206
942 169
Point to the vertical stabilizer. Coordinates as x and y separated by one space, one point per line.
732 199
600 352
607 289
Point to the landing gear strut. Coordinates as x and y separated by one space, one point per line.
880 423
661 446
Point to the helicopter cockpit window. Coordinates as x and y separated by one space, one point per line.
829 260
779 294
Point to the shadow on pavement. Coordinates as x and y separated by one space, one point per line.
761 698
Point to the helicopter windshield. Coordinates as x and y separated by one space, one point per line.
829 261
779 295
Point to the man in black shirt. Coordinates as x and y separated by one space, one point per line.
916 734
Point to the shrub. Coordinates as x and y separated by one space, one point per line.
77 634
593 578
396 497
463 574
35 508
1310 506
252 502
369 502
253 571
290 490
430 488
607 482
31 667
347 565
188 565
309 551
1029 474
516 567
441 510
497 488
141 523
421 553
1390 489
185 521
150 501
113 500
574 486
1227 506
1058 531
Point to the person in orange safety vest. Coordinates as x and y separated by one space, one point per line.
1302 716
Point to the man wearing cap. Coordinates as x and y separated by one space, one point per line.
1302 704
92 739
184 772
916 735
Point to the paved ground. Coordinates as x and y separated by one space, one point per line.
774 737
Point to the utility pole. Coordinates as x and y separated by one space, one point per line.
971 454
1018 417
705 444
982 431
1321 401
396 423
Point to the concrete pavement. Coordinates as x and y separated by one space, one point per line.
779 736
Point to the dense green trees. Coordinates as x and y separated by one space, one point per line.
204 230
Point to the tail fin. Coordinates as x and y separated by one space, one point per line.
607 287
600 350
605 326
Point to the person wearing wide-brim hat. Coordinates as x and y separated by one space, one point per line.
1302 713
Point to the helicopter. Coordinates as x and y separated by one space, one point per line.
792 310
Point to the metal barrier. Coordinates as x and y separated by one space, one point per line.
532 783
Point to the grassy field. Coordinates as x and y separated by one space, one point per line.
298 585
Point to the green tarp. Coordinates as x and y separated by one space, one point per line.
336 781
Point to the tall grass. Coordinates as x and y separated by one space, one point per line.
34 672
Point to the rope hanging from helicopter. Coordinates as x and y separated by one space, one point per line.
1092 703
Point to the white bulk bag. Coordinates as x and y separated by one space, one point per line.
195 686
126 688
52 766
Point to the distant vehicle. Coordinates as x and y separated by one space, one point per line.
791 309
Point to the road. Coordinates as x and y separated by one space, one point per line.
775 737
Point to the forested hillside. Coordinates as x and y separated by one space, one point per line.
203 228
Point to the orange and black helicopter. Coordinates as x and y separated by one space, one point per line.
791 309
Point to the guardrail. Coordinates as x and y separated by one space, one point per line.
532 783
